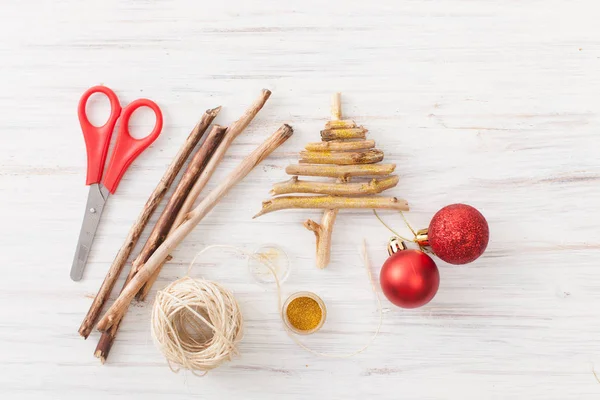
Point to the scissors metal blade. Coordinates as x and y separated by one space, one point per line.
93 210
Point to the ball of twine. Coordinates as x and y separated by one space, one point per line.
196 324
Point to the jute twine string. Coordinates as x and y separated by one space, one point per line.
197 324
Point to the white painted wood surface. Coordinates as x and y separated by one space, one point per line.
494 103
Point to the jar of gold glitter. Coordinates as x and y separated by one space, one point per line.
304 313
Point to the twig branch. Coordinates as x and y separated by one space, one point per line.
341 157
340 171
338 124
344 134
295 185
336 107
193 218
329 202
323 235
141 295
138 226
336 145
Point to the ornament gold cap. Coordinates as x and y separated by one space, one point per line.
422 237
395 245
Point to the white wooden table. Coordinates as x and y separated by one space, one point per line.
493 103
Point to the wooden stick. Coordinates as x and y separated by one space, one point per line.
163 225
341 157
323 233
104 345
233 131
341 123
329 202
336 106
344 134
143 293
294 185
340 171
192 219
138 226
338 145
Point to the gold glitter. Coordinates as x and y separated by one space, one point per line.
304 313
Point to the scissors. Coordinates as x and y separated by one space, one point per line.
97 141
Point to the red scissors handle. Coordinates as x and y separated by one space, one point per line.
97 138
127 148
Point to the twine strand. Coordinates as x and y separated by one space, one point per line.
423 248
367 264
186 309
390 229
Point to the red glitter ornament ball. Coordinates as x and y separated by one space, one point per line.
409 278
458 234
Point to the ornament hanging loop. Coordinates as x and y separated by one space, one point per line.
397 242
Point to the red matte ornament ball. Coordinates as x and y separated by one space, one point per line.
409 278
458 234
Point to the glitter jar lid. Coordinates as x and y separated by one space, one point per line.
276 257
298 295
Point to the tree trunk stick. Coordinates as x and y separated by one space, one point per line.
323 233
340 171
138 226
295 185
338 145
329 202
342 157
192 219
344 134
336 107
232 132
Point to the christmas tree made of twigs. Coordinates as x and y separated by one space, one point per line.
344 153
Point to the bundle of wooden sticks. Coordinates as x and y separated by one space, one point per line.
343 153
178 217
